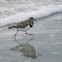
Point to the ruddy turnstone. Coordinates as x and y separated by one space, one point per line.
23 26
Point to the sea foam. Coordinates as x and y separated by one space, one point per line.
41 11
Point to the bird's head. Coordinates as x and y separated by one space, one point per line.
31 18
31 23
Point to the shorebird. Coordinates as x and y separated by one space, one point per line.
23 26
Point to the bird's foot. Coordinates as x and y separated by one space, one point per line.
30 34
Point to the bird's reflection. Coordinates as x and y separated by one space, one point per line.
26 49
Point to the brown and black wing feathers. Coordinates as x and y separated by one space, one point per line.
22 24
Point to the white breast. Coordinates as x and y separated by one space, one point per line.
24 29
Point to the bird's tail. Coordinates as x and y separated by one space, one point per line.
11 27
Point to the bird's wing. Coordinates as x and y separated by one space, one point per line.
22 24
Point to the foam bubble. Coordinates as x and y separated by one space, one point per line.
40 12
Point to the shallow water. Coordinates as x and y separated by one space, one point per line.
46 42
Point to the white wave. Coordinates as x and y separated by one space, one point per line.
40 12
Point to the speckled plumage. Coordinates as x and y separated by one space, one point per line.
23 26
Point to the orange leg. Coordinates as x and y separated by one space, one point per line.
16 34
30 34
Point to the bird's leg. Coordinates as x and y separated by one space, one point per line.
29 34
16 34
